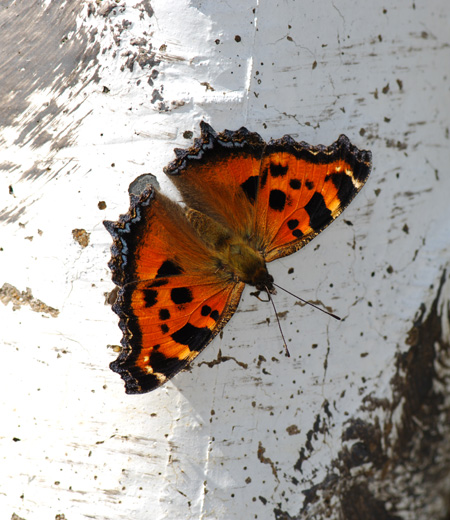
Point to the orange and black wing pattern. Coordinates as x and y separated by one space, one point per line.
219 175
171 301
302 189
279 195
175 292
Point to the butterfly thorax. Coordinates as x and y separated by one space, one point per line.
235 255
247 264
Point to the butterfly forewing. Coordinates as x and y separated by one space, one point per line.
219 176
302 190
172 300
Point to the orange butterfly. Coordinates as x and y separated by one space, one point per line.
181 270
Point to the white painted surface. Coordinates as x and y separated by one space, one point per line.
214 440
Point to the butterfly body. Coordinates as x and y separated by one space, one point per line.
235 256
181 271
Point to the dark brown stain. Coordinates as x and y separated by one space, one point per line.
358 502
266 460
416 386
221 359
363 481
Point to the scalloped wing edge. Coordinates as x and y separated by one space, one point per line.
120 228
132 385
208 140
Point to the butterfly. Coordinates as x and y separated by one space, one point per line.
181 270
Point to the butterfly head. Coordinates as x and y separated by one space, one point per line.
265 283
261 279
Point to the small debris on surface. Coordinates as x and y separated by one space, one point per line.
81 236
9 293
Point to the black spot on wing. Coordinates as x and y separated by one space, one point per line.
277 200
181 295
168 268
164 328
309 185
292 224
295 184
158 283
206 309
344 185
194 337
164 314
150 297
297 233
164 365
319 214
276 170
264 175
250 188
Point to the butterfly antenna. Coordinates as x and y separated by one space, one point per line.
278 321
308 303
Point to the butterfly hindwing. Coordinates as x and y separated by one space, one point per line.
168 323
171 302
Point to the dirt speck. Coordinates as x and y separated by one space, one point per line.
81 236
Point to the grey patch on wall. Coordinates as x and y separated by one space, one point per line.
12 215
37 41
145 6
46 49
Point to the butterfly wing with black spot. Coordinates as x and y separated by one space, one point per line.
278 195
172 299
302 189
219 176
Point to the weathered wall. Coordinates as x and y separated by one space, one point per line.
355 423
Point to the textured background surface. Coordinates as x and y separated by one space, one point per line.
93 95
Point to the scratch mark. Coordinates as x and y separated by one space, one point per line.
325 362
339 13
248 79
